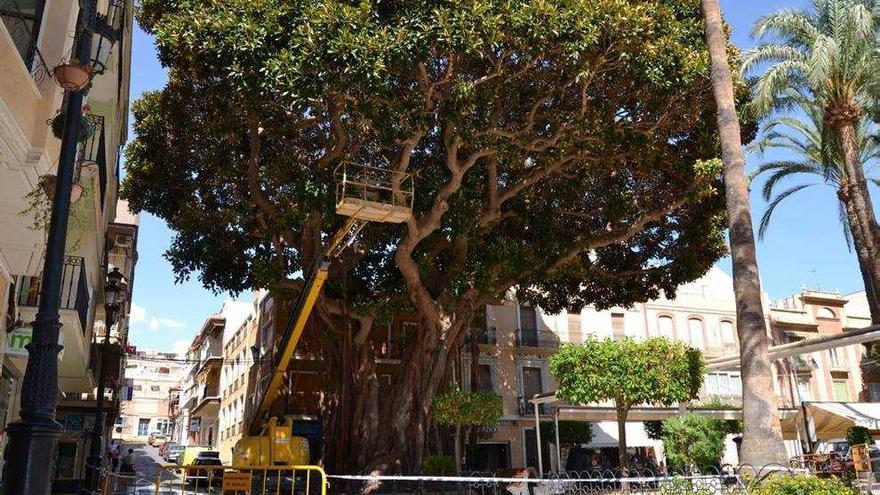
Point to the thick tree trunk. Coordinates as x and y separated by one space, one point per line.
860 210
762 434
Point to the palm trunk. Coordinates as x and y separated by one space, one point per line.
860 211
762 434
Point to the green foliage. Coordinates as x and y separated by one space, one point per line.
800 484
654 371
828 53
570 432
693 440
438 465
858 435
458 408
810 154
654 430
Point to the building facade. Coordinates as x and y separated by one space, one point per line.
516 342
149 379
237 383
35 36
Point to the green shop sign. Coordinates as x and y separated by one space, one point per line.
17 339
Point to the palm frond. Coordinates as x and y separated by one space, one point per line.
786 172
771 207
844 223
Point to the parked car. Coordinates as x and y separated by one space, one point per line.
174 453
209 475
159 440
164 448
152 436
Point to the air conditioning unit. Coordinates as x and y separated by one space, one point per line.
123 240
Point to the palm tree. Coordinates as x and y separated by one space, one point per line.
816 156
828 55
762 434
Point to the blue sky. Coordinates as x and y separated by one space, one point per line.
803 247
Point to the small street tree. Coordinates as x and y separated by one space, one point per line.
629 373
693 441
460 409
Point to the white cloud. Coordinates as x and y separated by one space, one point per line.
137 314
180 347
157 323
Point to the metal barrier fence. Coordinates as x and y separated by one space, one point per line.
728 480
218 479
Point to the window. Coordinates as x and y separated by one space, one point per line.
136 388
665 327
484 378
713 336
837 358
143 427
163 425
723 384
874 392
532 383
528 320
617 328
826 313
23 21
727 334
803 385
695 331
154 388
65 460
164 371
841 391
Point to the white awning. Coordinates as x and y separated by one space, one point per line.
832 419
605 435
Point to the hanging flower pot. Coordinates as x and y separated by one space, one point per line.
48 183
72 76
85 127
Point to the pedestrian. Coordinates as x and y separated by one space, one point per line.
113 455
128 462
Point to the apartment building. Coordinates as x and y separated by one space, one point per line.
149 379
35 36
200 393
237 383
517 341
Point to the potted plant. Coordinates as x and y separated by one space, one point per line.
47 184
85 127
72 75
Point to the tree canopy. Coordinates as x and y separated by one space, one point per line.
629 373
563 150
458 408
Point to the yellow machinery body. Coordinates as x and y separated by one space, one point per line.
276 446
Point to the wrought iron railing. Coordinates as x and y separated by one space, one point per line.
526 408
74 288
485 336
23 25
92 151
532 338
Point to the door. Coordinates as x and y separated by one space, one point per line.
528 326
531 381
532 451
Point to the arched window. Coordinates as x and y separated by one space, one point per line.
728 336
713 336
695 332
665 327
826 313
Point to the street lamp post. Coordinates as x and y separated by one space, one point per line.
33 438
112 302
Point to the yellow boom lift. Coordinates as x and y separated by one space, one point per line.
363 194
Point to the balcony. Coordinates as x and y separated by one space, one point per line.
526 408
534 338
22 22
74 289
485 336
92 153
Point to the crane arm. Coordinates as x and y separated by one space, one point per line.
296 323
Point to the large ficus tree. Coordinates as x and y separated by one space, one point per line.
563 148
